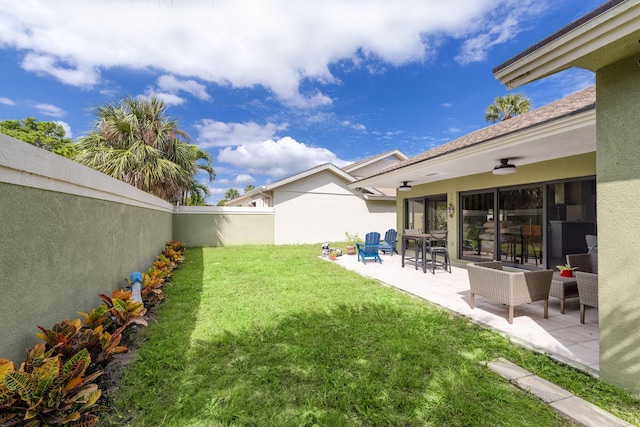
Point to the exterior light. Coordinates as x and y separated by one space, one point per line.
504 168
404 186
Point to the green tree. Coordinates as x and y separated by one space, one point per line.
46 135
134 140
196 195
248 188
231 193
505 107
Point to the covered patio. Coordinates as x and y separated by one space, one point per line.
561 336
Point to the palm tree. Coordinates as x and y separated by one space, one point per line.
134 140
231 193
196 195
505 107
248 188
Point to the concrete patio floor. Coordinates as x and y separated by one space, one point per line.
561 336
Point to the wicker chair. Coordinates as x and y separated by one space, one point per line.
588 291
587 263
511 288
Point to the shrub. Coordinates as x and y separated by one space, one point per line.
123 310
46 391
69 337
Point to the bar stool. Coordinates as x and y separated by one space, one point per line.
438 245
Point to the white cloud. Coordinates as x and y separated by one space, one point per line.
244 179
66 127
357 126
173 85
277 158
278 44
446 105
6 101
212 133
499 26
50 110
169 99
67 72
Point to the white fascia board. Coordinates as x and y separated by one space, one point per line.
566 50
400 155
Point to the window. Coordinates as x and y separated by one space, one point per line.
427 213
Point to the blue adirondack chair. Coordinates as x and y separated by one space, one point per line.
389 242
369 249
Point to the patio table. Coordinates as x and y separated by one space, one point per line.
563 288
421 242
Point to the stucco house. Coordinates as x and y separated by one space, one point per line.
317 205
558 158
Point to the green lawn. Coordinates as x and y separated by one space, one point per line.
275 336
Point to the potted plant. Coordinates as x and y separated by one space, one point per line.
333 255
566 270
352 239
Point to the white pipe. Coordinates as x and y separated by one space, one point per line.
136 285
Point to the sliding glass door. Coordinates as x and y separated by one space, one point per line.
477 215
427 213
532 226
504 225
521 216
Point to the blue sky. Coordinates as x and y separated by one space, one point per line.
274 87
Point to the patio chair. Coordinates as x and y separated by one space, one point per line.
587 263
389 242
512 288
587 290
438 245
412 245
369 249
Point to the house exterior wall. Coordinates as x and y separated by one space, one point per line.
567 167
320 208
618 186
68 233
223 226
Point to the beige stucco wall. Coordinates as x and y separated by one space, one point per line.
320 208
618 187
568 167
223 226
67 233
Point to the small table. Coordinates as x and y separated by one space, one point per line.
563 288
421 242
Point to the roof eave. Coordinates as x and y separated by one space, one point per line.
594 41
576 120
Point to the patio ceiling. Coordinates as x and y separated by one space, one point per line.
568 136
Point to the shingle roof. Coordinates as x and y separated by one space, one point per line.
580 101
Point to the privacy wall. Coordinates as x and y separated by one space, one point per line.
67 233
